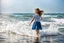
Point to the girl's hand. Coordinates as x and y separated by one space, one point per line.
41 18
29 24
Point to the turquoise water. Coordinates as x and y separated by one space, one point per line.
46 17
16 19
16 24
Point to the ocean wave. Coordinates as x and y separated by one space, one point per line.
21 27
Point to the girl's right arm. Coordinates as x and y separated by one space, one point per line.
31 21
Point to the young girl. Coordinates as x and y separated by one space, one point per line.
37 18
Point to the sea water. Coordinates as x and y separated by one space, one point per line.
18 23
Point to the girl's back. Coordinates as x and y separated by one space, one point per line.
37 18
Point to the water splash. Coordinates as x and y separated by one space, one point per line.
22 28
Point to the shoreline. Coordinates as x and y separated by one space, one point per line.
12 38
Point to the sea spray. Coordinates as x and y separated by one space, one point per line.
20 25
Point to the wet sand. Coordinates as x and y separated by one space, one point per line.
14 38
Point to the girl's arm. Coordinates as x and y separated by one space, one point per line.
41 18
32 20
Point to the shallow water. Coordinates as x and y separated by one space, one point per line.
13 26
14 38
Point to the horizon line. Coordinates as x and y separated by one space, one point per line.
30 12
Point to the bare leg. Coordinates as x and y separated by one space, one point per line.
37 32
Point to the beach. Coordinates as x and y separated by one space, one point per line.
14 38
14 28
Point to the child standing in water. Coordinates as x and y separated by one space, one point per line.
37 18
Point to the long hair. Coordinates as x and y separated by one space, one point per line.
39 11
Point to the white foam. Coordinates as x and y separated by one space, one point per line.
23 28
58 20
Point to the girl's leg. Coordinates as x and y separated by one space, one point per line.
37 32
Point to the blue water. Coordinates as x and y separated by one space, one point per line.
28 16
18 24
47 17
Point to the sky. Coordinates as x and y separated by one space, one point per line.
28 6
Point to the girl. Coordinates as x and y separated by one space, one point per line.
37 18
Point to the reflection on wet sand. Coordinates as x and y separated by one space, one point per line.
14 38
37 40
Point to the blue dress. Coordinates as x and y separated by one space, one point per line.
36 25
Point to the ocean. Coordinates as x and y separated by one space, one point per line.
15 28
